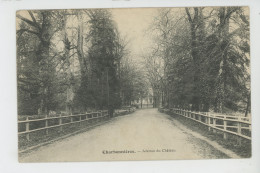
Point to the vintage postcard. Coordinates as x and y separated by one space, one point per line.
133 84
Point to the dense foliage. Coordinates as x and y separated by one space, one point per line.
200 60
73 61
77 61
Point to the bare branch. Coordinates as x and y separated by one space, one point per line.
188 13
21 31
33 18
31 23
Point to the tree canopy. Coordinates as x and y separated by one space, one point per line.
73 60
200 60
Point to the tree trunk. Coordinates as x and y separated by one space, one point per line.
194 23
141 102
44 72
248 104
223 32
80 52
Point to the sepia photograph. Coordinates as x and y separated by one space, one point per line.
132 84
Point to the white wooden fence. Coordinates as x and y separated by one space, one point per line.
80 118
219 122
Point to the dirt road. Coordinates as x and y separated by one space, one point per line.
143 135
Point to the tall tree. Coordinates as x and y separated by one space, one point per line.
205 54
42 25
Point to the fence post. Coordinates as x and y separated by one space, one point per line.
209 121
79 120
249 120
60 122
27 128
199 117
225 128
96 117
46 124
239 131
91 119
214 124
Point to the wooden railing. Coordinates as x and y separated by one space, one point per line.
223 123
80 118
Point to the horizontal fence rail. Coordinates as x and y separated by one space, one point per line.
234 125
78 118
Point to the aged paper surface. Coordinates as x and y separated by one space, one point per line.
133 84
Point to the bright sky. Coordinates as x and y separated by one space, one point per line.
133 23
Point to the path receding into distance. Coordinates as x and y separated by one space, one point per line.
146 134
